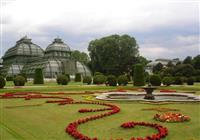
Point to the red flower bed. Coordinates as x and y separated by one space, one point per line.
167 90
72 128
171 117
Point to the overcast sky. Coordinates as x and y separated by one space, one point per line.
162 28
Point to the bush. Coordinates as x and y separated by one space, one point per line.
2 82
68 76
98 73
197 79
99 79
77 77
123 80
9 78
178 81
139 79
112 80
155 80
62 80
19 81
87 80
167 81
38 76
190 81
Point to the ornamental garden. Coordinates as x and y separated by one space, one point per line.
36 104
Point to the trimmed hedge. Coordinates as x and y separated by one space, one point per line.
68 76
190 81
138 78
77 77
87 80
9 78
123 80
178 81
155 80
99 79
38 76
19 80
112 80
167 81
62 80
2 82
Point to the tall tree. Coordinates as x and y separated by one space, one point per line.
113 54
80 56
157 68
187 60
196 62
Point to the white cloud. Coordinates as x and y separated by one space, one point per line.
43 20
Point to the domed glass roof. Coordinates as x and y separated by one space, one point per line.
58 45
24 47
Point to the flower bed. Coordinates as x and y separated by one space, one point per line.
72 128
171 117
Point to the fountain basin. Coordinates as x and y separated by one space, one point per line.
139 96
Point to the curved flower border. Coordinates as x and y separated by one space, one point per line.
72 128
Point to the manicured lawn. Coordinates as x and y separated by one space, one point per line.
48 121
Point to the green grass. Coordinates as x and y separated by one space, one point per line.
48 122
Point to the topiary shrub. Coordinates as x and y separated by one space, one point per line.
9 78
2 82
123 80
112 80
138 78
190 81
87 80
99 79
155 80
38 76
167 81
68 76
77 77
62 80
178 81
19 81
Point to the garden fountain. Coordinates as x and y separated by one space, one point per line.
149 90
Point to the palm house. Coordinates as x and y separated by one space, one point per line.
56 59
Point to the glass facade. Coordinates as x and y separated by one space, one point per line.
25 57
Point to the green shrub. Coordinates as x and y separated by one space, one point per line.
112 80
190 81
122 80
68 76
9 78
2 82
178 81
98 73
155 80
139 79
99 79
167 81
77 77
87 80
38 76
19 80
197 79
62 80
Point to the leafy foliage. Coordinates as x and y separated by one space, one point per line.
122 80
87 80
62 80
38 76
99 79
178 80
111 80
77 77
19 80
167 81
190 81
2 82
155 80
139 79
113 54
157 68
80 56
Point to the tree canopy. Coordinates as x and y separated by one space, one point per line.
80 56
113 54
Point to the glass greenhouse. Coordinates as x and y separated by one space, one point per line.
26 56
